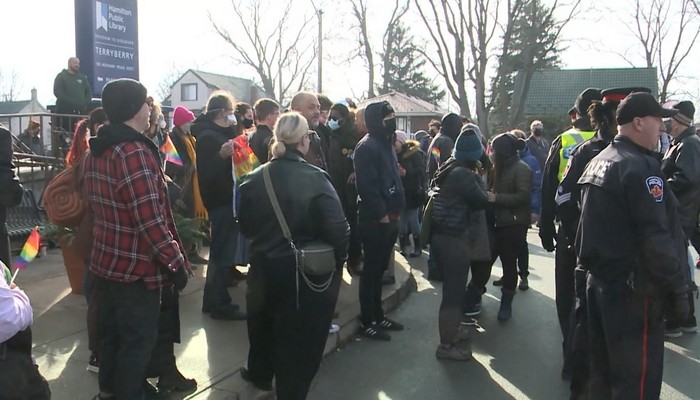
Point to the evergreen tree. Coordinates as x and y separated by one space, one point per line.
403 67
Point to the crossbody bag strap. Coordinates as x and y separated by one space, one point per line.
275 204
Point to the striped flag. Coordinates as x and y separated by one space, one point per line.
171 154
29 251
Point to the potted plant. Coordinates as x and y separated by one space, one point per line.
72 260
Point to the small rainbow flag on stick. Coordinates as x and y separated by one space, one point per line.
171 154
29 251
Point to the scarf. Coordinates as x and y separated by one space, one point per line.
199 210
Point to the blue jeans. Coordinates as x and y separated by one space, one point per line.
224 235
408 223
128 325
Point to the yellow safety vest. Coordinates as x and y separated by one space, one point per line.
569 140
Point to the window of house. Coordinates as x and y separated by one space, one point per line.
189 92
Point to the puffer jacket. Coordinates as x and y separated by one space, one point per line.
456 200
513 194
681 167
412 159
308 202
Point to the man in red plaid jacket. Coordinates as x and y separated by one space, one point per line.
136 251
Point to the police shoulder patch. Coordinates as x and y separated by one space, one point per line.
655 185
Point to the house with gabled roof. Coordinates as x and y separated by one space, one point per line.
412 113
14 116
552 92
193 88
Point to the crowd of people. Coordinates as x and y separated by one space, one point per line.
300 194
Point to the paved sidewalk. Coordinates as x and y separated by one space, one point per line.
211 351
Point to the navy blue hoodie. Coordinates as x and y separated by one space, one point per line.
376 170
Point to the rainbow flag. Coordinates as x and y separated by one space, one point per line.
436 154
171 154
29 251
244 162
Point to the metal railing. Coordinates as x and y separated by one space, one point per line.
36 168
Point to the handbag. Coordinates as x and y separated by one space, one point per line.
316 258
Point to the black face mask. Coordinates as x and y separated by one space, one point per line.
390 126
538 132
247 123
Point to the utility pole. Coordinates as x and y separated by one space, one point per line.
320 50
319 14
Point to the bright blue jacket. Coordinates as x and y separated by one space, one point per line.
531 161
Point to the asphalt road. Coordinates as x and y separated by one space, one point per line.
519 359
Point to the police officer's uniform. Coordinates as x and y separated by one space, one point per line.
555 165
568 199
631 242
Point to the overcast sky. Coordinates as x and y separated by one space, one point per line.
39 37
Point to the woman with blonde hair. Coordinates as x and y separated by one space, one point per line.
289 311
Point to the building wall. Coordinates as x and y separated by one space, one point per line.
203 92
421 123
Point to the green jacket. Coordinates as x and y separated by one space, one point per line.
73 93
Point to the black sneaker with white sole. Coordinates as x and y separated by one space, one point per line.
389 325
373 332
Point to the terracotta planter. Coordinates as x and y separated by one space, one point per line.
75 266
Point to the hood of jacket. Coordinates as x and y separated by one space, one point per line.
451 125
204 123
409 148
110 135
375 121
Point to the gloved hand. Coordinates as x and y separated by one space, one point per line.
547 237
179 278
680 308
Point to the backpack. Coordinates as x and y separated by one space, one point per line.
63 200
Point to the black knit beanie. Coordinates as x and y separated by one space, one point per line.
122 99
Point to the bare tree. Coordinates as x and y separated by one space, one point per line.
667 31
281 57
365 46
390 40
10 85
447 25
167 81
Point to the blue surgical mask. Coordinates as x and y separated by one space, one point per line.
333 124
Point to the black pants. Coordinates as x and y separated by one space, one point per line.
355 249
578 355
565 293
378 242
509 244
626 336
524 259
481 270
128 326
452 258
20 378
286 342
162 362
91 292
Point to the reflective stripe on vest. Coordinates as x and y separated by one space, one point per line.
569 140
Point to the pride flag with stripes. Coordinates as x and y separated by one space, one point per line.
29 251
171 154
244 162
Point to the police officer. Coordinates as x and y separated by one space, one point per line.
556 163
602 116
635 258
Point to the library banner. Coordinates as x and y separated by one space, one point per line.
106 37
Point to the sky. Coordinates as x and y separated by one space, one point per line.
175 35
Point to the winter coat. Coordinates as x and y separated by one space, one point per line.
458 200
681 167
531 162
377 177
513 190
412 159
73 93
259 141
341 148
215 174
307 200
